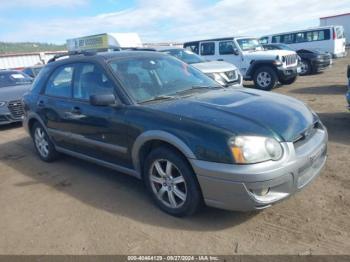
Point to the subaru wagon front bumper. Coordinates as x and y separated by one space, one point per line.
257 186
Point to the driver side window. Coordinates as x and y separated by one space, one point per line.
90 80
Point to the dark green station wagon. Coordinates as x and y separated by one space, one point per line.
190 140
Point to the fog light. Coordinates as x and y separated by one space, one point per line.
261 191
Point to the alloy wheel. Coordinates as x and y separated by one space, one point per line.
304 68
41 142
168 184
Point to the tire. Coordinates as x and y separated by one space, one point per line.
171 182
288 81
42 143
265 78
306 68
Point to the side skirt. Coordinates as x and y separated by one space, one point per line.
118 168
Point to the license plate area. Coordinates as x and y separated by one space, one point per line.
309 170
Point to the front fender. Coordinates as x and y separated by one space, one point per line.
257 63
158 135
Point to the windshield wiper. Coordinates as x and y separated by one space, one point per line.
193 88
158 98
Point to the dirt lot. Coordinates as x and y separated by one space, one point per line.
74 207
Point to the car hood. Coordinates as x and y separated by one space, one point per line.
242 111
10 93
268 54
214 67
314 52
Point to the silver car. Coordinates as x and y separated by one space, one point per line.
224 73
13 85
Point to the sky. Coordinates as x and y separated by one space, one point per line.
54 21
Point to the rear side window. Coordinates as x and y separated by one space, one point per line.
318 35
60 82
90 80
226 48
276 39
300 37
194 47
208 48
288 39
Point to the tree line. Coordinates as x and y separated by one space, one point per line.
29 47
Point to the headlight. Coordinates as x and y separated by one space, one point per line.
2 104
218 78
278 61
225 78
255 149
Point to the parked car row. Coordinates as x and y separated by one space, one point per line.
265 68
13 85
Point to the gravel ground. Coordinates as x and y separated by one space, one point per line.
74 207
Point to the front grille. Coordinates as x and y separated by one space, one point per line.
290 59
16 109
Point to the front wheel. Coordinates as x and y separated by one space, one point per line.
265 78
171 182
305 67
288 81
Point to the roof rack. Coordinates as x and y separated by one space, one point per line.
72 53
138 49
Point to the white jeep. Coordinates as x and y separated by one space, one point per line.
265 68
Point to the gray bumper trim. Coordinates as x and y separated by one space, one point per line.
232 186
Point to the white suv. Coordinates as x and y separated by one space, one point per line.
226 74
265 68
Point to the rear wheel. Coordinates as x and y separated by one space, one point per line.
43 144
265 78
171 182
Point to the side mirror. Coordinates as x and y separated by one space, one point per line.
235 51
103 100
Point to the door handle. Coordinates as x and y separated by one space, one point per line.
220 59
76 110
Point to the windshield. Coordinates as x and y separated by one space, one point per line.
159 77
14 78
250 44
185 55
